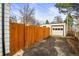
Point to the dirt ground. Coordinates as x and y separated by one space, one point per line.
51 46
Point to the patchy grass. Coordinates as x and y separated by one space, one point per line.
60 38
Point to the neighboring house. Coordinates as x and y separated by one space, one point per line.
6 27
57 29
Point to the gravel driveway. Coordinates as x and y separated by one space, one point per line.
51 46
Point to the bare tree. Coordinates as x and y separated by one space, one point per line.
27 14
13 19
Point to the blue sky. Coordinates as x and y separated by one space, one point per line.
43 11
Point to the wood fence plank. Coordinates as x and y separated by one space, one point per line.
25 36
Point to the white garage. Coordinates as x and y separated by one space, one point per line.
57 29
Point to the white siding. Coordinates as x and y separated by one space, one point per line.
6 28
6 23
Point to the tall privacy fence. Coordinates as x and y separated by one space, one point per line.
26 36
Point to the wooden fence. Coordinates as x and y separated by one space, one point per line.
25 36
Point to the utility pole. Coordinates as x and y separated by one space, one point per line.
67 23
3 40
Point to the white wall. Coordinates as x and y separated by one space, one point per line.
6 28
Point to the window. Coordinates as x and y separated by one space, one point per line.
61 28
58 28
55 28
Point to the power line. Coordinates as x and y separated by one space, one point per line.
16 13
45 8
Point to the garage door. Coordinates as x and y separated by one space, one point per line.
57 31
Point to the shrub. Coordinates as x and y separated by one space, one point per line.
70 33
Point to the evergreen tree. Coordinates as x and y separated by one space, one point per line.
47 22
